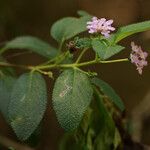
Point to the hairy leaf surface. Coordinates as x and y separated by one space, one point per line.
28 104
72 95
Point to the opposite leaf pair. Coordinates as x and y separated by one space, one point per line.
27 102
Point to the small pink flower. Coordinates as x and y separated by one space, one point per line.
138 57
100 26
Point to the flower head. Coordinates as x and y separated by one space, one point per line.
138 57
100 26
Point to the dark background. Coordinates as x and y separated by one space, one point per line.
35 17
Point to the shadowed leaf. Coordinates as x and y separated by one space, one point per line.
109 91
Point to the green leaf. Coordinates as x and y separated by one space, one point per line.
28 104
6 84
109 91
105 51
32 43
128 30
83 13
68 27
82 43
72 95
105 137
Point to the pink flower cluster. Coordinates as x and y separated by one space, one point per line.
100 26
138 57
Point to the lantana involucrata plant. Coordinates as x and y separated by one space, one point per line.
84 104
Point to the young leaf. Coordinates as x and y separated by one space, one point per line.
27 104
68 27
108 90
128 30
6 84
106 134
82 43
72 95
105 51
32 43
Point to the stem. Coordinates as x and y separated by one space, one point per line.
53 60
48 66
87 63
93 62
49 73
74 65
58 57
63 56
60 46
80 64
114 61
80 56
3 64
